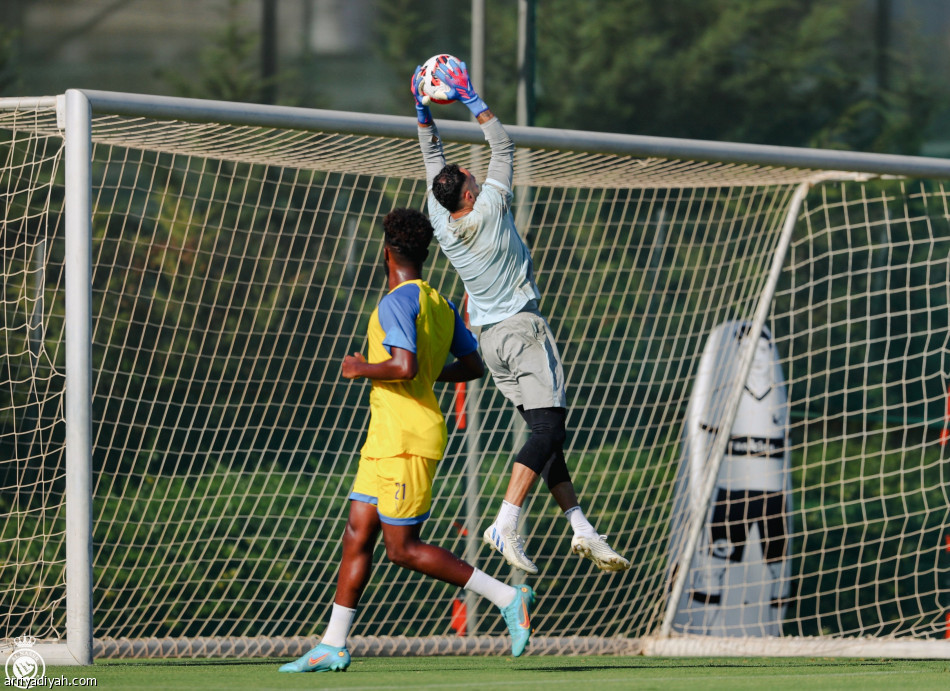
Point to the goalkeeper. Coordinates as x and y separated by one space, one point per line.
411 334
475 229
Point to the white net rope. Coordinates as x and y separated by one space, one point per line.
399 158
863 318
32 579
235 266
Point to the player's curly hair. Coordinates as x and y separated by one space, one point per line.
408 233
447 187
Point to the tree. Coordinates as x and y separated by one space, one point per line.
787 72
229 65
410 31
8 75
774 71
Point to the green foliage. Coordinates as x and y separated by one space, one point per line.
779 72
218 263
399 49
789 72
32 572
31 384
854 269
198 256
229 68
199 535
865 518
208 536
8 71
407 33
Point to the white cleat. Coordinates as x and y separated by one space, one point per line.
595 548
511 546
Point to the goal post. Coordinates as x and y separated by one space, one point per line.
77 212
176 443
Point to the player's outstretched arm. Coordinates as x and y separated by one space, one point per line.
423 114
465 368
402 366
454 74
433 155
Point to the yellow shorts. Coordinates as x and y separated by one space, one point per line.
399 487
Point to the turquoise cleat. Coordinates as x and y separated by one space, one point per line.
518 618
323 658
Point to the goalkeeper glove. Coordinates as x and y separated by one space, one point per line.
423 115
454 75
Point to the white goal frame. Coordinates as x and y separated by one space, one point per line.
75 111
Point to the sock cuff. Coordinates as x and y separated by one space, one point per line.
338 628
498 593
508 516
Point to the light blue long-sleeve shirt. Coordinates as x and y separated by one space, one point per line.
484 246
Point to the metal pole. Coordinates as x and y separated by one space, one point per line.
526 61
406 127
882 40
78 404
269 51
476 63
472 491
476 69
523 196
697 519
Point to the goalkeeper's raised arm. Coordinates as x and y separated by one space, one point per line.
454 74
429 142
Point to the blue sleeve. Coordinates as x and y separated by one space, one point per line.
463 342
397 314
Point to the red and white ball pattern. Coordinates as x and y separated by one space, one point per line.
433 90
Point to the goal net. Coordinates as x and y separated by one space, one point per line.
235 261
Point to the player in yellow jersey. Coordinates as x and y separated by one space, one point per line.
411 334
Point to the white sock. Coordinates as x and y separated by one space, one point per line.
341 618
508 517
498 593
579 522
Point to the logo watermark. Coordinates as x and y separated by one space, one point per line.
26 669
24 664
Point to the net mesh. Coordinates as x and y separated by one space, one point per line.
235 266
32 579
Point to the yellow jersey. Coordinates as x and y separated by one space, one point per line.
405 417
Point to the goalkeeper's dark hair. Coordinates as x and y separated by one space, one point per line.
447 187
408 234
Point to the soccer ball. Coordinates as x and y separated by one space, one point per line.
433 90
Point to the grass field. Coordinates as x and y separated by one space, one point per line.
526 673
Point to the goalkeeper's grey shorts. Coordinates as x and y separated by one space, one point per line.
523 359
